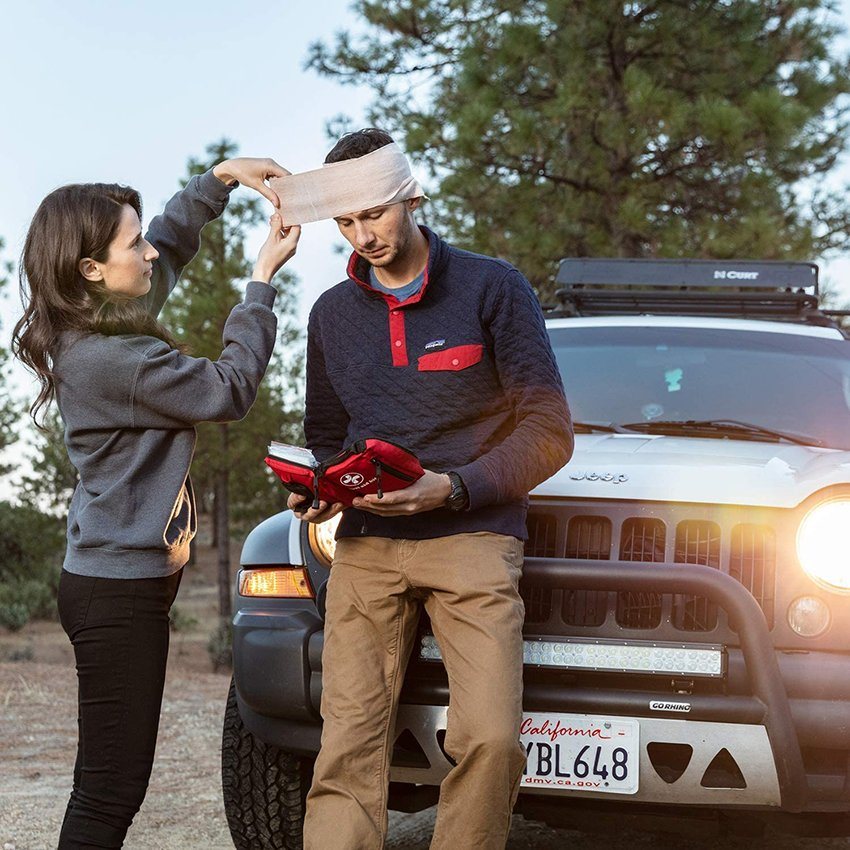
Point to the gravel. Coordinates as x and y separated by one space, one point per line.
183 809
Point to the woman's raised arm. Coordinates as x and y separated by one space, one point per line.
176 231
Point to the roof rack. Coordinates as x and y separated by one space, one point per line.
759 289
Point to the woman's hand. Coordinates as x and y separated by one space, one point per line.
279 247
251 172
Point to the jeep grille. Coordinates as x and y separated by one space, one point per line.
642 539
697 542
588 538
753 563
745 550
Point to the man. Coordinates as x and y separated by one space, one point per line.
445 353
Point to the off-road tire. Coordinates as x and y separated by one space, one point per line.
264 788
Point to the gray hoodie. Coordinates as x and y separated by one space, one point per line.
130 403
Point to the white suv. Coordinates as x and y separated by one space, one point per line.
687 577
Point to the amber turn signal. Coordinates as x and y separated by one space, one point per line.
287 582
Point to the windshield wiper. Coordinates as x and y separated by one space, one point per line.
722 427
608 427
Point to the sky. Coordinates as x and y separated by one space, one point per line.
126 92
98 90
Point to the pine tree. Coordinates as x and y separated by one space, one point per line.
230 479
698 128
32 541
9 413
51 483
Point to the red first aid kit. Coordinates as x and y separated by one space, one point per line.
365 467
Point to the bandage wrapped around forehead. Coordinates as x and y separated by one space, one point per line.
378 178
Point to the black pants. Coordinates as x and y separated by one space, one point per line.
120 631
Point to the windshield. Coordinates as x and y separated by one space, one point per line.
785 382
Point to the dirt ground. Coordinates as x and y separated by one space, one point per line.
183 808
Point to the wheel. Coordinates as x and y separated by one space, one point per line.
264 787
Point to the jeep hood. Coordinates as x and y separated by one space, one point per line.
687 469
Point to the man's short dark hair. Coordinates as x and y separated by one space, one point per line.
359 143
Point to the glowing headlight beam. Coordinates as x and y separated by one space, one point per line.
822 544
322 541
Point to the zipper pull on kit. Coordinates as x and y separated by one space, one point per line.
378 475
316 474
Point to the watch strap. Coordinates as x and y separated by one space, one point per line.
458 499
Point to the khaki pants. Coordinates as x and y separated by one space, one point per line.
468 584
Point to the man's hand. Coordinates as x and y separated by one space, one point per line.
279 247
251 172
429 492
302 507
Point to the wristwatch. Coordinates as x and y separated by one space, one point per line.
458 499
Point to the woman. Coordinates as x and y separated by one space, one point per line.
129 398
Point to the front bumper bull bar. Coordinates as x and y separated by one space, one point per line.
277 663
744 612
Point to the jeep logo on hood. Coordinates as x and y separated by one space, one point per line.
613 477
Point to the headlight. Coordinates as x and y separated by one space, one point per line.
822 544
322 539
808 616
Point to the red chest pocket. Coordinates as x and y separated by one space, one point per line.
452 359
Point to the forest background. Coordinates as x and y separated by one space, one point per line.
541 129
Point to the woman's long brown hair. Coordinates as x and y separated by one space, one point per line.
73 222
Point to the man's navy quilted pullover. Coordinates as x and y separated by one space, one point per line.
461 373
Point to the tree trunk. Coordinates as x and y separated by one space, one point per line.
214 512
222 525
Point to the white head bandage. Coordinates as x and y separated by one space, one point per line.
378 178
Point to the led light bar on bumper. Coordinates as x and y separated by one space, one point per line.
612 656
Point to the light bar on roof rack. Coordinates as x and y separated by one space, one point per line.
694 274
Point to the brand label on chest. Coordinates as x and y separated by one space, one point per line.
435 343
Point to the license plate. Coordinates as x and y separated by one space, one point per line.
580 752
